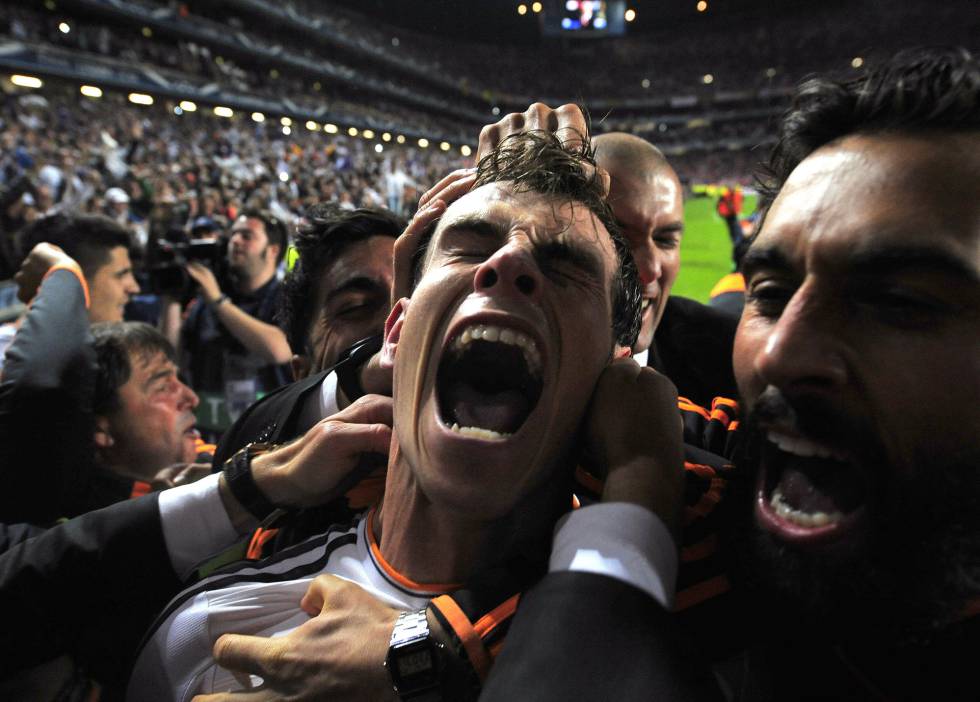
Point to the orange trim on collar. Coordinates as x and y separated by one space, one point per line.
140 488
394 574
470 640
77 270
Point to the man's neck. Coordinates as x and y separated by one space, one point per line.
248 285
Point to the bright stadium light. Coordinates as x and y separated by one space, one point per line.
857 62
495 111
147 32
287 131
386 136
424 143
222 111
702 6
465 150
445 146
312 126
64 27
26 81
770 72
400 139
90 91
630 15
535 7
258 117
645 83
331 128
140 98
188 106
352 131
708 79
286 122
571 5
522 9
283 176
379 148
177 110
368 134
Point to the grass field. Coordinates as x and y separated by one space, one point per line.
706 250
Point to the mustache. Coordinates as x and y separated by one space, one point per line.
817 419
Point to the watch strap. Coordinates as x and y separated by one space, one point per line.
238 474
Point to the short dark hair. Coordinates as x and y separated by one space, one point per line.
114 343
536 161
331 231
86 238
275 229
924 89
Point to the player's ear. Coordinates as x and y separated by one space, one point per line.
393 332
621 351
102 438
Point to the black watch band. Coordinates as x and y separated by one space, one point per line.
238 474
350 363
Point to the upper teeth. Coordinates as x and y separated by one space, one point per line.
503 335
798 446
479 432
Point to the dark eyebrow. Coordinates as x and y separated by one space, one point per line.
585 258
159 375
764 257
474 224
888 260
357 284
671 227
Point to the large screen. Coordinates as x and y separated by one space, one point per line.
584 18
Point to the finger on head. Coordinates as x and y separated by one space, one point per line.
572 127
489 138
433 192
540 117
369 409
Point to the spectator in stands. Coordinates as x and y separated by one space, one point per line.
229 344
84 423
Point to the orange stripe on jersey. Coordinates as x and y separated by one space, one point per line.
722 416
259 539
705 590
500 613
76 269
707 502
460 623
495 649
702 549
733 282
201 446
684 404
402 580
701 470
140 488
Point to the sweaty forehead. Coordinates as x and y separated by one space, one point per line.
873 191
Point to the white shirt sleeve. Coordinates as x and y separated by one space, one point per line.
195 523
620 540
328 396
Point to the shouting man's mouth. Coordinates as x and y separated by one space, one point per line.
489 381
808 493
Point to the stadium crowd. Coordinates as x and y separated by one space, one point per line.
298 415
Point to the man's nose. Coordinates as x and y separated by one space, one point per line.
134 287
804 350
511 271
188 397
647 263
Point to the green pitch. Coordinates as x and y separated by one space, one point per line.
706 250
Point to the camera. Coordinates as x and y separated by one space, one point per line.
167 259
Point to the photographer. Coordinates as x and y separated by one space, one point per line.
230 349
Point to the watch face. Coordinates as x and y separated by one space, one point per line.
413 663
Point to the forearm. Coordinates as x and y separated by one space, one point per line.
170 320
265 340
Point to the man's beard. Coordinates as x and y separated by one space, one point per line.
911 570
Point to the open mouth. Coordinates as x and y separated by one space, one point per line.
808 491
489 381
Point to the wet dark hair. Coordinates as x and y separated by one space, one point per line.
275 229
536 161
924 89
114 343
331 230
86 238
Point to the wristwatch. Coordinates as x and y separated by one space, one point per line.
350 363
238 474
414 659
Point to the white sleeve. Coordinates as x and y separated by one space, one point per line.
621 540
328 396
195 523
